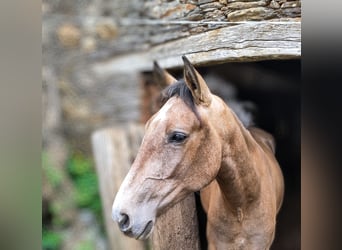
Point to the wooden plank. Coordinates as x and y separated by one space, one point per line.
250 41
178 227
112 151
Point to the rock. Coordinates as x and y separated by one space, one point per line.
291 4
167 10
69 35
188 1
196 10
246 5
88 44
106 30
215 5
209 10
232 1
291 12
217 15
200 2
274 5
255 14
281 1
194 17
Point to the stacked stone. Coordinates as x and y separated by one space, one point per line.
244 10
217 10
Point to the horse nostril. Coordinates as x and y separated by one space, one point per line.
124 222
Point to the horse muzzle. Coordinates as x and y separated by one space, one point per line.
134 209
133 226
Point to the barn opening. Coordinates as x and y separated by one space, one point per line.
270 91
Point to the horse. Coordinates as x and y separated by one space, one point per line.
195 142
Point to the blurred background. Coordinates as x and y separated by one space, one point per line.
88 86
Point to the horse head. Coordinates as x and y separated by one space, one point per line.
180 154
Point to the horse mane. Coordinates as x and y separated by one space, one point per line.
181 90
243 110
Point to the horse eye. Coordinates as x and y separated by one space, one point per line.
177 137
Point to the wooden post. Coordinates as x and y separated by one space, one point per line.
114 150
178 227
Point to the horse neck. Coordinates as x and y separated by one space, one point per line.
237 177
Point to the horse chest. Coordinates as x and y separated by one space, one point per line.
226 232
229 228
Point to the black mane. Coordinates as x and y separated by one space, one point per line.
181 90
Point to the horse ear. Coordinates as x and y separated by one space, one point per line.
161 76
196 84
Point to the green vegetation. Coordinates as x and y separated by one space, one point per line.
85 182
80 170
54 177
51 240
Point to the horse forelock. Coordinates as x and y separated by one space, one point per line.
181 90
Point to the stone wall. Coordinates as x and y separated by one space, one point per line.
76 35
223 10
73 33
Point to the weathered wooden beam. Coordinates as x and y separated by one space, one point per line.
245 42
178 227
113 154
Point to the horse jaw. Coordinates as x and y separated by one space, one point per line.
143 201
141 217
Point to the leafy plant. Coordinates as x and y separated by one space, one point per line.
85 195
79 165
85 180
51 240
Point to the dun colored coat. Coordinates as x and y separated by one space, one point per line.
196 142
